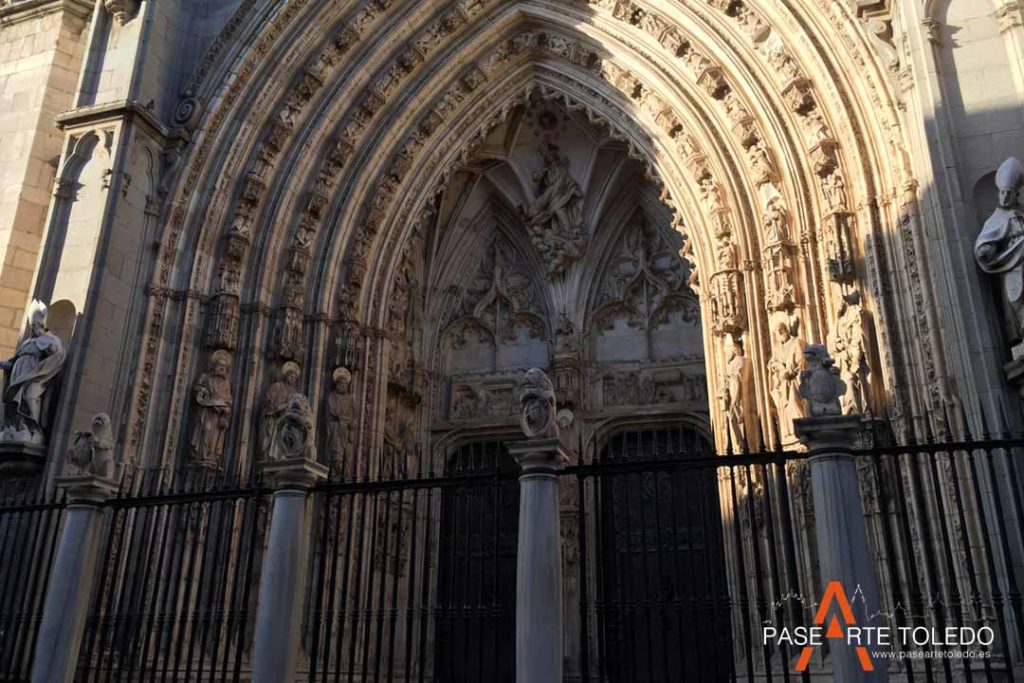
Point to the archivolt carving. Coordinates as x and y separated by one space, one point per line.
761 160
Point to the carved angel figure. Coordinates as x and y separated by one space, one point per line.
212 395
537 399
293 437
555 219
999 249
37 360
820 384
92 452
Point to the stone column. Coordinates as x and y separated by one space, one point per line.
539 566
283 580
844 553
71 580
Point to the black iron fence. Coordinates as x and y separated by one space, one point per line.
679 559
675 562
177 583
414 572
28 540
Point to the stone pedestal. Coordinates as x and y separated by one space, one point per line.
1014 371
844 554
71 581
539 629
283 579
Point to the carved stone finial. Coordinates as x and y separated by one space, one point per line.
999 249
820 384
537 398
92 452
294 437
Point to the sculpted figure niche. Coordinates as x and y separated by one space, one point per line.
555 220
732 397
341 414
784 371
37 360
999 249
212 396
275 402
850 343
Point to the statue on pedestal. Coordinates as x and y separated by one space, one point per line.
212 395
784 371
999 249
849 342
293 438
275 401
537 398
37 360
341 415
555 220
820 384
732 396
93 452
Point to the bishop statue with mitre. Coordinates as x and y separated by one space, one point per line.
999 249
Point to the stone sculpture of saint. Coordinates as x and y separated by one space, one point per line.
784 370
555 219
999 249
37 360
294 437
732 395
850 345
341 414
212 396
275 401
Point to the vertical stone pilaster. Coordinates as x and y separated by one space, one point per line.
71 581
843 550
539 628
283 579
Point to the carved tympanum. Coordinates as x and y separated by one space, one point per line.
555 219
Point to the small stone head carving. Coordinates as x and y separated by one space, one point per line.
342 380
1009 179
537 399
220 363
820 384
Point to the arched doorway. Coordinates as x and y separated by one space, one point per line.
659 561
476 580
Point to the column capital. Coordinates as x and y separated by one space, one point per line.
88 489
294 473
540 456
829 434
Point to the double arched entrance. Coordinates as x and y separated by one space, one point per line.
647 597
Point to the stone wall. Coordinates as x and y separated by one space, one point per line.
41 47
